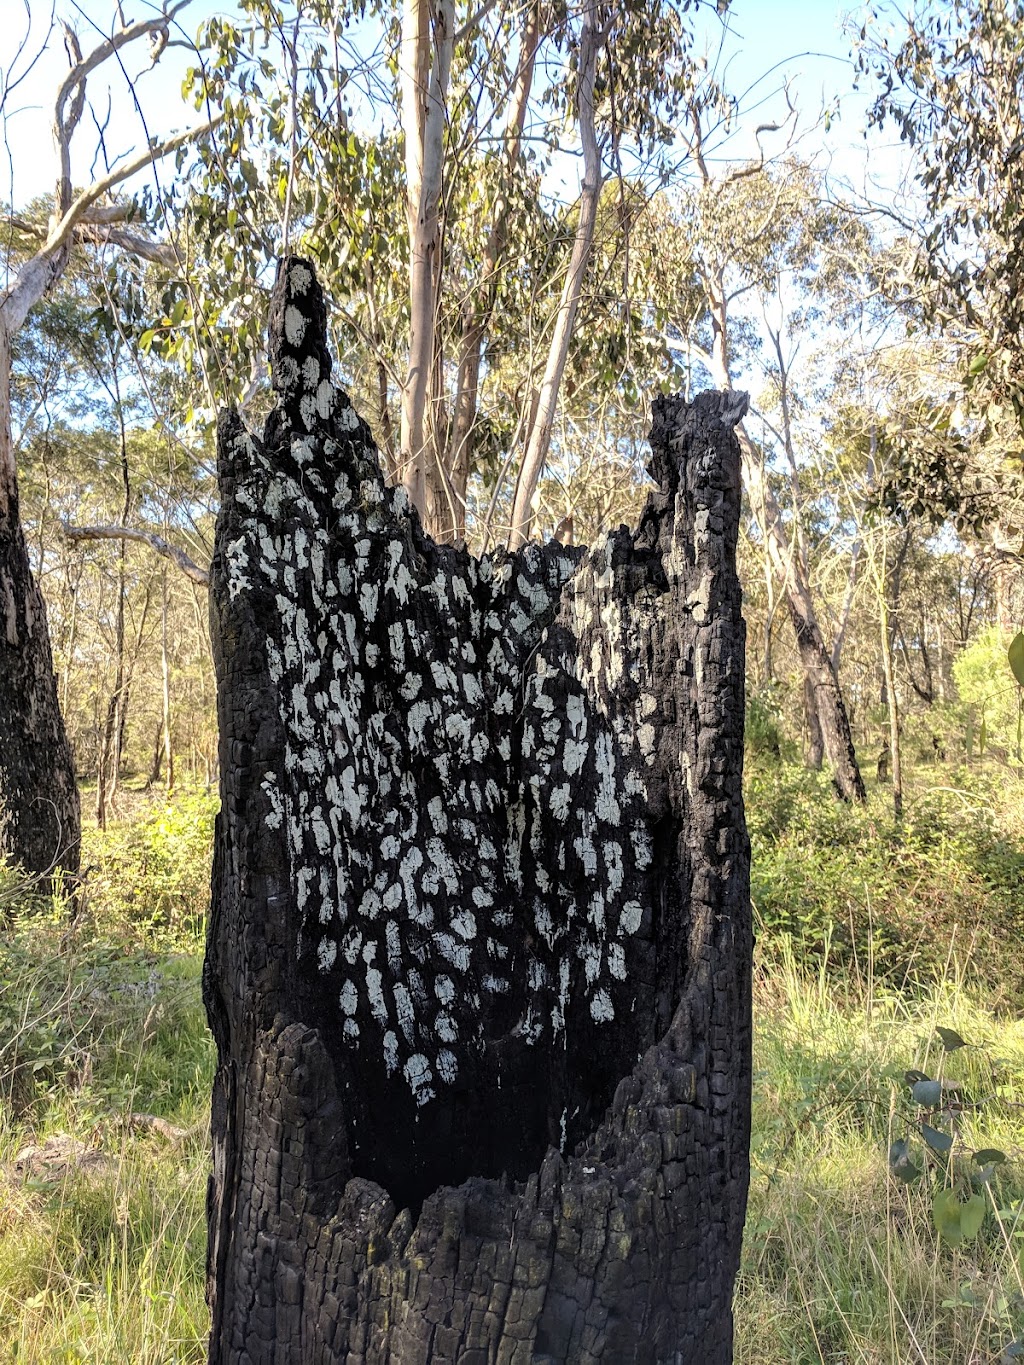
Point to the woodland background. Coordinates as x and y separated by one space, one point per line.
582 213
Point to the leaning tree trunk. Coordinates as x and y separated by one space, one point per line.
479 956
40 820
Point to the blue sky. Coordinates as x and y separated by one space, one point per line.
801 41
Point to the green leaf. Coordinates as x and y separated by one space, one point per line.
936 1140
978 364
911 1077
1015 654
989 1156
146 340
972 1215
951 1040
926 1093
900 1162
946 1216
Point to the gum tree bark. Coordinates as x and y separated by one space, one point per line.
479 956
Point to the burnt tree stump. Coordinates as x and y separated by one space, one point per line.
479 956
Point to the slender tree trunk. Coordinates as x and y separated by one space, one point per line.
165 676
428 31
110 756
478 962
895 748
539 435
40 820
815 740
479 307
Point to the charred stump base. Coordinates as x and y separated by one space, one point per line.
478 964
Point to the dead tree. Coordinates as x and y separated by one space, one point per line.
479 955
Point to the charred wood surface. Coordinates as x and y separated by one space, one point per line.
478 960
40 818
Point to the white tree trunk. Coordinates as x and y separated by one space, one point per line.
428 28
539 438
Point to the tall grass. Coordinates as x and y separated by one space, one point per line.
871 937
105 1071
842 1262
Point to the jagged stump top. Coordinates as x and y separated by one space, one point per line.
482 832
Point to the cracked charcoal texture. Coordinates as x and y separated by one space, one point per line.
479 955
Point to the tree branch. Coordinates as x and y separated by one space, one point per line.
163 547
34 277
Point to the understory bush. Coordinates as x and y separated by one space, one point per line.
151 871
908 902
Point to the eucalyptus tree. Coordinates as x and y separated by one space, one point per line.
39 806
414 163
952 80
756 231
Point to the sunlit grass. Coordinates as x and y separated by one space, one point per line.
102 1250
841 1261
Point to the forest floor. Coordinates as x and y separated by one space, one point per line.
885 1225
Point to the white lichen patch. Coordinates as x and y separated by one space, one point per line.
447 1066
295 324
418 1073
601 1009
300 277
630 917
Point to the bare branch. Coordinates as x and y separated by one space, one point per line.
185 563
36 275
160 253
84 66
117 177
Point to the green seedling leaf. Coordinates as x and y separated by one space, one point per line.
926 1093
951 1040
972 1215
1015 654
946 1216
978 364
938 1142
989 1156
900 1162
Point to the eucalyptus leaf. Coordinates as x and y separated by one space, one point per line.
901 1163
951 1040
972 1215
1015 655
936 1140
926 1093
946 1216
989 1156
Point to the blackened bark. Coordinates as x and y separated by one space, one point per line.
815 739
822 685
40 821
479 955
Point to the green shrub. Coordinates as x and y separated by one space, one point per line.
764 735
848 887
987 689
152 870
